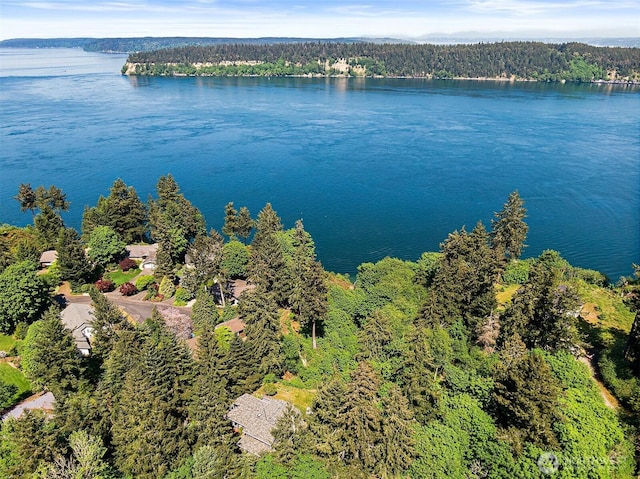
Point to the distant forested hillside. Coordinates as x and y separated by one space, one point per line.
520 60
129 45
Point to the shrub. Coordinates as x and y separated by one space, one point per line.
167 288
21 330
105 285
591 276
144 281
516 272
127 264
270 389
183 296
128 289
152 291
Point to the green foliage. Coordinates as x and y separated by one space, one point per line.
530 60
235 257
508 230
427 267
516 272
119 277
182 297
72 261
167 289
105 246
49 355
204 311
7 394
13 378
23 295
143 282
122 211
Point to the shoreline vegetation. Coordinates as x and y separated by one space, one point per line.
504 61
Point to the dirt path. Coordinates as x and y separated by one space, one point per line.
609 399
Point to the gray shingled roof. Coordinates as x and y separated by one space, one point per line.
77 317
142 251
256 417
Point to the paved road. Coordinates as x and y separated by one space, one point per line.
138 309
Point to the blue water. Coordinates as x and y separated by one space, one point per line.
374 167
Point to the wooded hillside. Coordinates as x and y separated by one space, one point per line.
520 60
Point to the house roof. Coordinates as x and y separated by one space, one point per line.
239 286
142 251
236 325
49 256
77 317
257 418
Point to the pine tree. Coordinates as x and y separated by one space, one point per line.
26 197
632 351
526 398
48 224
72 262
49 356
149 419
509 230
122 211
209 401
361 419
398 426
267 265
204 312
244 224
108 321
260 315
230 227
244 376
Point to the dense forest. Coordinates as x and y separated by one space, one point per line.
469 362
142 44
520 60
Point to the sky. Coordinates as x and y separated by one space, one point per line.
318 18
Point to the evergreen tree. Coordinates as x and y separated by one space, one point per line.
398 444
267 266
526 398
26 197
204 312
244 224
48 224
361 419
509 230
121 211
86 460
244 376
72 262
260 315
49 355
290 436
308 296
108 321
209 401
205 265
149 419
543 311
632 351
326 419
230 227
463 286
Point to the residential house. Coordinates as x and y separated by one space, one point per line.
237 287
255 419
236 325
77 318
47 258
145 253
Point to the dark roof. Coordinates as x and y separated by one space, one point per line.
257 418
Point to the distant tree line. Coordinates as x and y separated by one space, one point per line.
524 60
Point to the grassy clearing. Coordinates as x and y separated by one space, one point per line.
11 375
505 294
300 398
119 278
7 342
604 308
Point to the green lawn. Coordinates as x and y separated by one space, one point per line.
11 375
119 278
7 342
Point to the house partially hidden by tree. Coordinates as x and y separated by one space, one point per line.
47 258
255 419
145 253
236 325
77 318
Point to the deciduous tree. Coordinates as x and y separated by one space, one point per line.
24 295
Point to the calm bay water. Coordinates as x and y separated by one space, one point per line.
374 167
